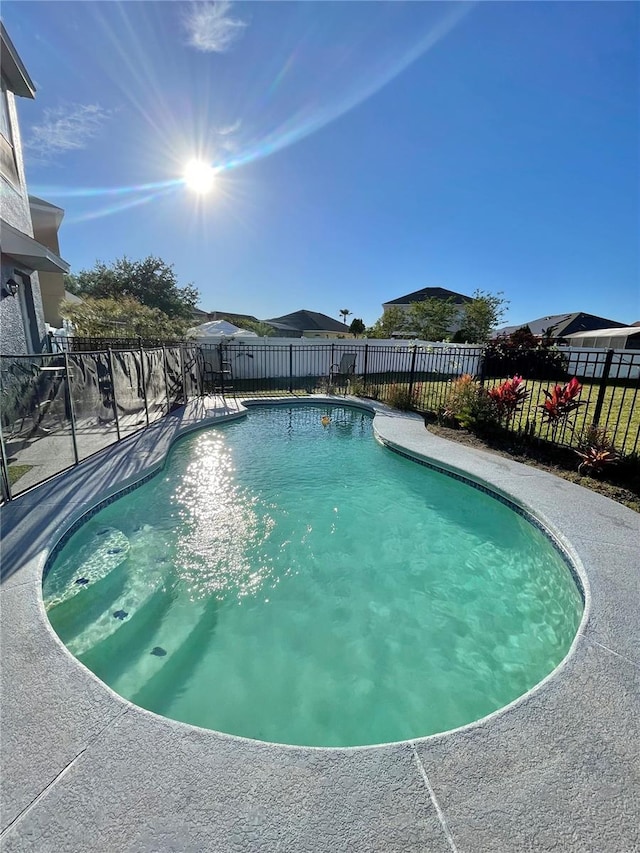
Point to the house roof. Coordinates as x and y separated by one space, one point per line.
28 251
44 213
308 321
430 293
625 337
13 70
231 316
623 331
564 324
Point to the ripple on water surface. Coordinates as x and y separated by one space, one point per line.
293 581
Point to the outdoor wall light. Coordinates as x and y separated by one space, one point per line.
10 287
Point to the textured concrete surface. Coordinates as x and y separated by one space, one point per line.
83 769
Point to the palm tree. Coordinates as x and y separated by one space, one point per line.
344 312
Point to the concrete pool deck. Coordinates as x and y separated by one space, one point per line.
84 770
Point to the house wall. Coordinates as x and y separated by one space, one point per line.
334 335
51 283
15 210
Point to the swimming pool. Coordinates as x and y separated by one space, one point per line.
296 582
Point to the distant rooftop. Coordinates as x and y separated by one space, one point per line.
231 316
308 321
562 325
430 293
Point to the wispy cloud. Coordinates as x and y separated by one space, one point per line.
210 27
229 128
66 128
228 141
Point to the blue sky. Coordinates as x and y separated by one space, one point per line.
365 150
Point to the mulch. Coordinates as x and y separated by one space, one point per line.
619 482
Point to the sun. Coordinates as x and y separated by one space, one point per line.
199 176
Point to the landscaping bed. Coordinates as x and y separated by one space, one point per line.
619 482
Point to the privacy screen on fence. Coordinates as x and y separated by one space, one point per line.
58 409
61 408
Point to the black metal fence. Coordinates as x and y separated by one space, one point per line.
58 409
420 377
77 344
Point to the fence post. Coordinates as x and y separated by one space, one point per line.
366 361
291 368
6 484
221 365
72 416
166 377
185 396
113 391
200 363
414 355
144 383
481 367
603 387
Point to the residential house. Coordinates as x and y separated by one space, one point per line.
618 337
560 326
457 299
308 324
22 321
46 219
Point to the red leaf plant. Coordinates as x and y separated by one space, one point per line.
561 401
509 397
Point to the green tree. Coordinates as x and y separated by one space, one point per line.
481 316
357 327
71 284
344 313
260 328
393 320
431 319
124 317
151 282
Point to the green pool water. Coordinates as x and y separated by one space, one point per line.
296 582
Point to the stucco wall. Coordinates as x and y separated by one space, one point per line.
14 204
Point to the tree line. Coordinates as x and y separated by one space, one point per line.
142 298
129 299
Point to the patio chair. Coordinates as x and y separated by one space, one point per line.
342 373
217 373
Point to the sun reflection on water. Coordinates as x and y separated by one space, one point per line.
223 527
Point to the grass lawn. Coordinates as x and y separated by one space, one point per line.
17 471
620 412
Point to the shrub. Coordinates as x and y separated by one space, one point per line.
561 401
400 397
596 450
523 354
508 398
356 385
469 404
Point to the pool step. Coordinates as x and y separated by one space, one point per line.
153 649
113 652
174 669
136 593
76 614
105 551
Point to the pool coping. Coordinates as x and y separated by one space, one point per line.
557 767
